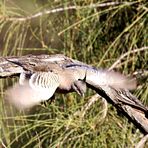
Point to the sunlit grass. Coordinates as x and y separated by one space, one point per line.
97 36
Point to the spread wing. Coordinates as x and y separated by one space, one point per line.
39 87
110 78
102 77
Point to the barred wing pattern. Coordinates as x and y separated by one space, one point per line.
40 87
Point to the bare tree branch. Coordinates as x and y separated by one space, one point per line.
2 144
126 54
142 142
123 100
91 6
117 99
88 105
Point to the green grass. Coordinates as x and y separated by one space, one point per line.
97 36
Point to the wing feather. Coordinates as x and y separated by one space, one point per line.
40 87
110 78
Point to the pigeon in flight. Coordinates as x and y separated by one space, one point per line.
39 81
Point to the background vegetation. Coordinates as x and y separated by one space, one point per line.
92 33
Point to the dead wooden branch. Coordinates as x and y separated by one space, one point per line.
123 100
126 54
142 142
88 105
62 9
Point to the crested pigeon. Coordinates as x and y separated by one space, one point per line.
38 82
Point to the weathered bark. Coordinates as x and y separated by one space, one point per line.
135 115
117 98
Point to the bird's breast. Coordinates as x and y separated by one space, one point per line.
66 82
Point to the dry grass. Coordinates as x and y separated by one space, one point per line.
96 35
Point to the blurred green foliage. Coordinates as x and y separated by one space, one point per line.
97 36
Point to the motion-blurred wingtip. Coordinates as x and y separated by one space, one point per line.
131 83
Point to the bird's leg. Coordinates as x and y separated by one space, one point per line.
79 87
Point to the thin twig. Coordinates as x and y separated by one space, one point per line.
105 108
2 144
142 142
91 101
126 54
91 6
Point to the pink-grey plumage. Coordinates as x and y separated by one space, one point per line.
39 82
